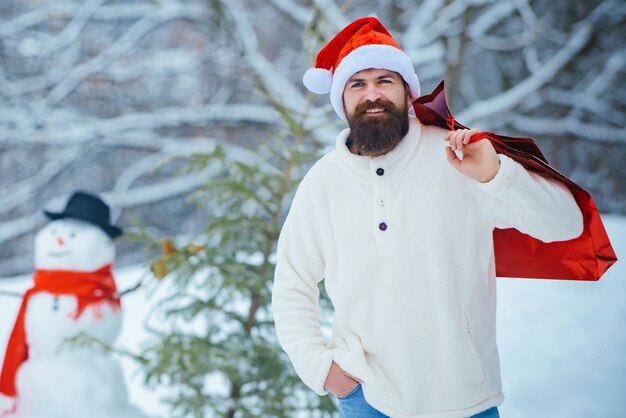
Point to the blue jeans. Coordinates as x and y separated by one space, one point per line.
354 405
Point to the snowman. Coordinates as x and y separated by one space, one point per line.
74 293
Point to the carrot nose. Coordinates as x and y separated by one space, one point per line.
60 241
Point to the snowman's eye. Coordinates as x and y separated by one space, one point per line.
53 232
72 234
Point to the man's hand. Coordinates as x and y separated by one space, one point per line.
338 382
480 161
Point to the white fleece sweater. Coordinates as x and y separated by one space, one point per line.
407 257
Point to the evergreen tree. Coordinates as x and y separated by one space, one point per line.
216 348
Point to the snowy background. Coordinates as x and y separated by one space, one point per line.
562 343
115 96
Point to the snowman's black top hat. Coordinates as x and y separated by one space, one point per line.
88 208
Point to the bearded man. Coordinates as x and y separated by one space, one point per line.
398 221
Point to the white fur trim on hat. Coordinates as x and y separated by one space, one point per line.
318 80
372 56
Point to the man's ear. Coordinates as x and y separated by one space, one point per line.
409 101
407 91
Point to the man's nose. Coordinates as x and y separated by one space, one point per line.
372 93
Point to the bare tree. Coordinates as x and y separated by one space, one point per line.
114 97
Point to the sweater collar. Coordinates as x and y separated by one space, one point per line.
397 157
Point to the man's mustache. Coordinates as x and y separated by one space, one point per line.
380 103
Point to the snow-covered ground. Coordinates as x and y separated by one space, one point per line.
562 343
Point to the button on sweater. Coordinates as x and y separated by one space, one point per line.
414 301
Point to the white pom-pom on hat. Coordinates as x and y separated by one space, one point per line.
318 80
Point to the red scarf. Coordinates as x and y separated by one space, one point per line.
90 288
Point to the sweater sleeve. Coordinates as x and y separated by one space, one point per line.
295 295
529 202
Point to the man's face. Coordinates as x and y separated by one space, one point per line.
376 106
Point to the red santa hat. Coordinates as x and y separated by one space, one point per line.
363 44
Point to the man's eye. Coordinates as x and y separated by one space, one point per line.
357 84
385 81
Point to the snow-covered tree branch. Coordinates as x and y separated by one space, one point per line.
114 97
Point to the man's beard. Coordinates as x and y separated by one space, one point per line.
378 134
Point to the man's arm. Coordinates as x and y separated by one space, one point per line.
299 269
513 197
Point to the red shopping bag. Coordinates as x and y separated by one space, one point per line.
520 255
